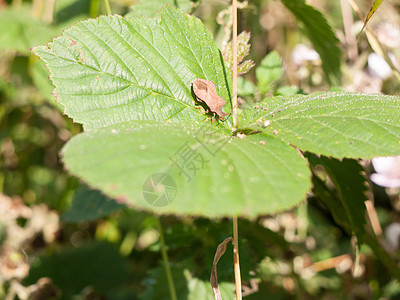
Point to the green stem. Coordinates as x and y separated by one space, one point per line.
170 280
303 219
2 183
94 8
108 8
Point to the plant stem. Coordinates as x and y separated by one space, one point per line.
238 281
108 8
37 7
347 16
94 8
167 268
48 11
234 65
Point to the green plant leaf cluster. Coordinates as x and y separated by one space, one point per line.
129 82
139 112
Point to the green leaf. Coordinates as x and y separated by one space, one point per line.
150 8
112 70
269 70
351 185
332 124
321 35
90 205
23 31
227 176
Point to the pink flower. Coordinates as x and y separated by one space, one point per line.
387 171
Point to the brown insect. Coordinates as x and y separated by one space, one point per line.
206 92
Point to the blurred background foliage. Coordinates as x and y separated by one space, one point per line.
61 240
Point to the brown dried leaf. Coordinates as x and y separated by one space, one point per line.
214 280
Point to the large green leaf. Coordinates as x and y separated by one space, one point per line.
321 35
227 176
333 124
112 70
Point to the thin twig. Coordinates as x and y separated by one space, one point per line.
37 8
329 263
167 268
48 11
238 281
234 65
94 8
373 218
347 16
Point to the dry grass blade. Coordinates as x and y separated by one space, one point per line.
214 279
374 42
373 9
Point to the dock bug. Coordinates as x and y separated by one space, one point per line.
206 92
